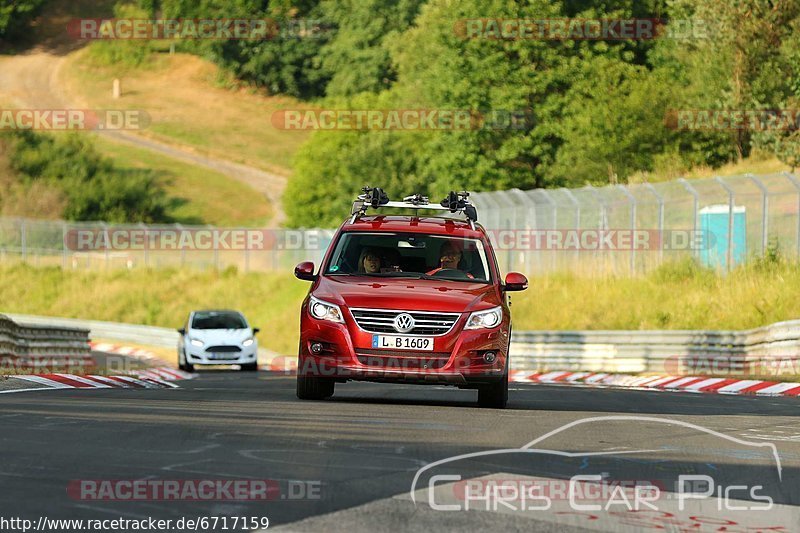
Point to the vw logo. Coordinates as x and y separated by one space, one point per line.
404 322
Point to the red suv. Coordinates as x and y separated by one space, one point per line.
407 299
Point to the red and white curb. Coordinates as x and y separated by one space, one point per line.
696 384
152 378
139 353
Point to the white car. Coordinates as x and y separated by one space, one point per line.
217 337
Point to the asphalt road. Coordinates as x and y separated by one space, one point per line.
347 464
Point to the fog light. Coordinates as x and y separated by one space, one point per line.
316 348
489 357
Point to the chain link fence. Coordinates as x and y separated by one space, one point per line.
624 230
631 229
87 245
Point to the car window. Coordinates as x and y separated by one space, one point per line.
402 254
218 320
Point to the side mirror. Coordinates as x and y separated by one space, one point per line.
182 331
515 282
305 271
256 330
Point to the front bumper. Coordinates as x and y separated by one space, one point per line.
457 358
198 356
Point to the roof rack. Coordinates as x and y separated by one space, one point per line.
375 198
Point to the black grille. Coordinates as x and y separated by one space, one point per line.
382 321
223 349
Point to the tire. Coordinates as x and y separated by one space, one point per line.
314 388
249 367
494 396
183 365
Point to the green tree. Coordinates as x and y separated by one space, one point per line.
285 63
15 15
357 58
94 188
737 67
613 122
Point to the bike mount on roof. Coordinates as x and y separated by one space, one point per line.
375 198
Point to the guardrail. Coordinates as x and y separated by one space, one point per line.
134 333
588 351
658 351
29 345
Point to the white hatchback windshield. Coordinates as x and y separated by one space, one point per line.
410 255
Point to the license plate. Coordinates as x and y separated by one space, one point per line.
220 356
396 342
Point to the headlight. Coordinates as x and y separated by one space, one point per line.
248 342
324 310
196 342
485 319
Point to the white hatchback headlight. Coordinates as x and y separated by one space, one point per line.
248 342
324 310
485 319
196 342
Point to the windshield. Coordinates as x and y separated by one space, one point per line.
410 255
218 320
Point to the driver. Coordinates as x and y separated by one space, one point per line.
449 258
370 261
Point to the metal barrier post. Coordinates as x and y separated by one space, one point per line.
63 245
632 200
577 205
178 229
796 182
23 239
660 200
731 205
553 222
764 212
146 245
602 222
696 202
107 252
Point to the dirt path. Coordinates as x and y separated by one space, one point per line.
32 80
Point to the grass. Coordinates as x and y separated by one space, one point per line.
140 297
757 163
201 196
677 296
190 105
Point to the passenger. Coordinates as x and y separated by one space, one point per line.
449 258
391 261
369 262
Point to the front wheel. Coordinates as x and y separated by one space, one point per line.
494 396
183 365
314 388
249 367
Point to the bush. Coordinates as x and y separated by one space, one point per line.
128 52
93 187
